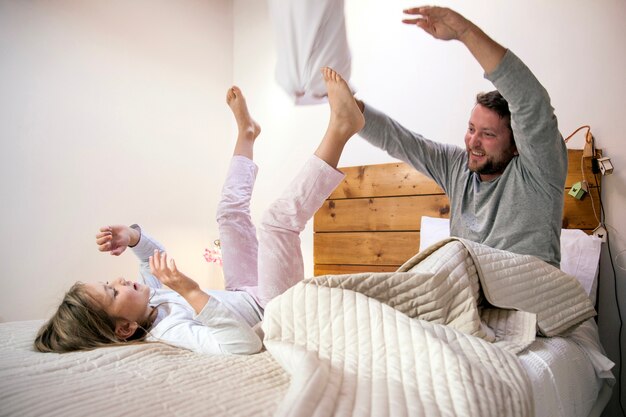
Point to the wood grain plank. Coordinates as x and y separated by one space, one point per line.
574 171
398 178
404 213
578 214
371 221
364 248
351 269
384 180
379 214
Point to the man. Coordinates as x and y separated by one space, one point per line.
506 187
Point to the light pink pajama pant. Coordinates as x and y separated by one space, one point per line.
268 267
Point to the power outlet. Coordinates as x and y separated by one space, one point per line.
600 233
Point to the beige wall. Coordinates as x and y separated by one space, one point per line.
575 49
113 112
110 111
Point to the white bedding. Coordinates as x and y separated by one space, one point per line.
144 380
565 373
563 379
359 344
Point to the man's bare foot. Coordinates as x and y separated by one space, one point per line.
346 119
248 128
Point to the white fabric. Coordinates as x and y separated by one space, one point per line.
414 342
309 35
160 380
349 354
216 329
433 230
580 257
580 252
151 379
565 381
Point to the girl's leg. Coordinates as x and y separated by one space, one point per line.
237 233
280 256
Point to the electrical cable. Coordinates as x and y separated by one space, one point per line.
589 141
619 311
588 136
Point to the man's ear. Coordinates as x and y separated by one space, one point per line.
125 329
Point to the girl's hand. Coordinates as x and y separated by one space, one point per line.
168 274
115 239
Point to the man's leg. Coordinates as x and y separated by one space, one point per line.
280 256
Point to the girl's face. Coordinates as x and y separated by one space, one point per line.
122 299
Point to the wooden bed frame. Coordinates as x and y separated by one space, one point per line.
371 222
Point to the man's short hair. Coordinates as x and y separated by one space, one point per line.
493 100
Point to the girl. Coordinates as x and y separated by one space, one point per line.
215 321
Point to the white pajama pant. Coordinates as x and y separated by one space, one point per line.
270 265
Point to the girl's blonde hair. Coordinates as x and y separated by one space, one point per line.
81 324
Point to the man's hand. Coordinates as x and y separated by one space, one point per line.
440 22
443 23
168 274
115 239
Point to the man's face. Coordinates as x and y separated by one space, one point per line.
489 144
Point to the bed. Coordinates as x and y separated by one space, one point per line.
368 341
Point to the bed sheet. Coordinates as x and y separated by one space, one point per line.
570 376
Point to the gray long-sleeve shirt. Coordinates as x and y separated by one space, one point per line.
521 211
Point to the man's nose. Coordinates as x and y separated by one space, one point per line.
474 140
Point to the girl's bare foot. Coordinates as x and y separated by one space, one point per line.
346 118
248 128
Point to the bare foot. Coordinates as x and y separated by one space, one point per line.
248 128
346 118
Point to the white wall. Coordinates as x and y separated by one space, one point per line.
114 112
575 49
110 111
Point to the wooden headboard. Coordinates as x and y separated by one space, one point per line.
371 222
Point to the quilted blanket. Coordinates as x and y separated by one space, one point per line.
437 337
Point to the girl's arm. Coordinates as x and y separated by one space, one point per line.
144 249
116 238
215 329
168 274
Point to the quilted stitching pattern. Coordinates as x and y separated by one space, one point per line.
417 341
351 355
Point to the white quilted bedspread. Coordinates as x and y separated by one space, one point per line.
151 379
419 342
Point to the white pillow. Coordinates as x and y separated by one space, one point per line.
432 230
309 35
580 252
580 257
